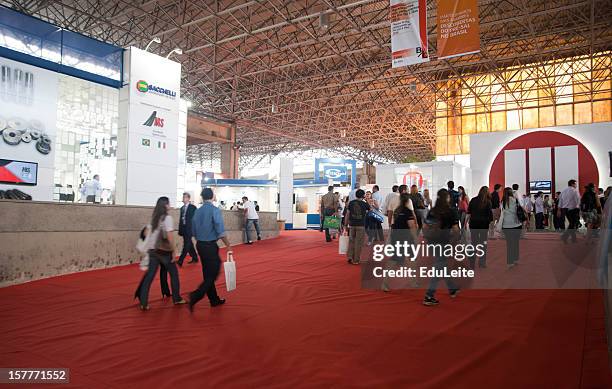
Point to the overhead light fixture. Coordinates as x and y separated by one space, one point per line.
372 144
324 20
154 40
176 50
274 108
343 133
188 103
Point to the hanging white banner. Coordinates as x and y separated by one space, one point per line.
408 32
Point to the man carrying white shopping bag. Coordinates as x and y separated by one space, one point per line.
230 271
208 228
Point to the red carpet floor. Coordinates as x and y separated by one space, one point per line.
300 319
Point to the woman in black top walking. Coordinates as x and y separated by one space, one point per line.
480 216
445 221
403 229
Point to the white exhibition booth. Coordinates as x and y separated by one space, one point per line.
425 175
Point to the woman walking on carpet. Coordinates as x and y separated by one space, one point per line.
161 250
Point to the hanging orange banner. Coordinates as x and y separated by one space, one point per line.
458 28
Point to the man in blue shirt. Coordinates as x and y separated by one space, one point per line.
208 228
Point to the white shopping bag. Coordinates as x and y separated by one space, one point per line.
230 272
343 244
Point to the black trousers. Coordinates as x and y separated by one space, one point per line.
479 236
539 221
211 264
188 248
573 216
559 222
513 236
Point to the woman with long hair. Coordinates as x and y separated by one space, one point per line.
511 225
403 229
479 217
373 225
161 250
444 220
590 207
462 206
427 199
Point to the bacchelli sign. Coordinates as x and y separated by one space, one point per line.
145 87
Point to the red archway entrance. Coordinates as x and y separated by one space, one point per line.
587 168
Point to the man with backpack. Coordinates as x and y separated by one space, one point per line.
454 195
355 221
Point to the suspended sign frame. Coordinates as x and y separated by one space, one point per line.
408 32
458 28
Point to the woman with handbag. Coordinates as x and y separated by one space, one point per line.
511 223
403 229
161 250
374 220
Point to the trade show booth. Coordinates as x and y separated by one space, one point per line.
425 175
543 156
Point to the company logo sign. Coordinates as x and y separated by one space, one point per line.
154 121
144 87
413 178
336 173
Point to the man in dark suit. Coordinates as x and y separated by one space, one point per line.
187 212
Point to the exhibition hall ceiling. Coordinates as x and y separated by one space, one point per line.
291 79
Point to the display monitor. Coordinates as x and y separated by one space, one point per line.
540 186
18 172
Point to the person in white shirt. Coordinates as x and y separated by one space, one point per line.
250 217
391 202
91 190
539 211
353 193
376 195
569 207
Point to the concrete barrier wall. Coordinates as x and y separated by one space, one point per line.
44 239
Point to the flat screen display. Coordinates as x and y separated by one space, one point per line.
18 172
540 186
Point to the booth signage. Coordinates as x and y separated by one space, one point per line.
18 172
144 87
336 173
413 178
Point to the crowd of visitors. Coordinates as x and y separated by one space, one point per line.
500 213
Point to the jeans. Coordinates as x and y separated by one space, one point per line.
440 263
188 248
211 264
513 236
155 260
374 229
573 216
479 236
246 229
356 235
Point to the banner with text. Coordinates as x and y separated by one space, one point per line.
408 32
458 28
